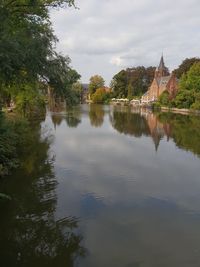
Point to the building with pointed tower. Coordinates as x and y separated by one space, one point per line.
163 81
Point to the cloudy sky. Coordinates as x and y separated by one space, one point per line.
104 36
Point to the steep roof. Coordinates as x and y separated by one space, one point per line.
163 80
161 64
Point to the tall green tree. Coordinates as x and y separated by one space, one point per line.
27 45
119 84
191 80
139 78
96 82
130 91
185 66
189 89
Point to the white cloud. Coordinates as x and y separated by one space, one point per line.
116 61
127 33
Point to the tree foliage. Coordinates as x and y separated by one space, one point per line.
138 78
119 84
12 144
27 43
96 82
191 80
185 66
101 96
189 92
184 99
77 90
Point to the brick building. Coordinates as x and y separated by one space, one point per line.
163 81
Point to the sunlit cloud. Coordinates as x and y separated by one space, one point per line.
116 61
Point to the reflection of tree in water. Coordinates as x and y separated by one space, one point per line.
30 235
184 129
56 106
96 115
129 123
56 119
73 116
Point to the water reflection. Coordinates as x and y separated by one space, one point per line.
30 234
135 122
71 115
96 115
138 122
184 129
134 207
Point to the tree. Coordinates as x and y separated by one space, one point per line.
184 99
185 66
96 82
130 91
77 89
119 84
139 78
100 96
191 80
27 44
189 93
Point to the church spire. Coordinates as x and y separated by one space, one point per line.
161 70
162 64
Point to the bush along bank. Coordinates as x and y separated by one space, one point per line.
14 134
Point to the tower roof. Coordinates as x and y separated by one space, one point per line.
161 64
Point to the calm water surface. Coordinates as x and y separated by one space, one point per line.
106 186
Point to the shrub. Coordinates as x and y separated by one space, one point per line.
164 99
11 143
29 102
195 105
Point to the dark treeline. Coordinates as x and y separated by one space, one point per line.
132 81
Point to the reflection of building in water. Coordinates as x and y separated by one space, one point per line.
138 123
163 81
156 129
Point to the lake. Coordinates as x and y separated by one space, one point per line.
105 186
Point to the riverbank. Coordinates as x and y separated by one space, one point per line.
180 111
183 111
